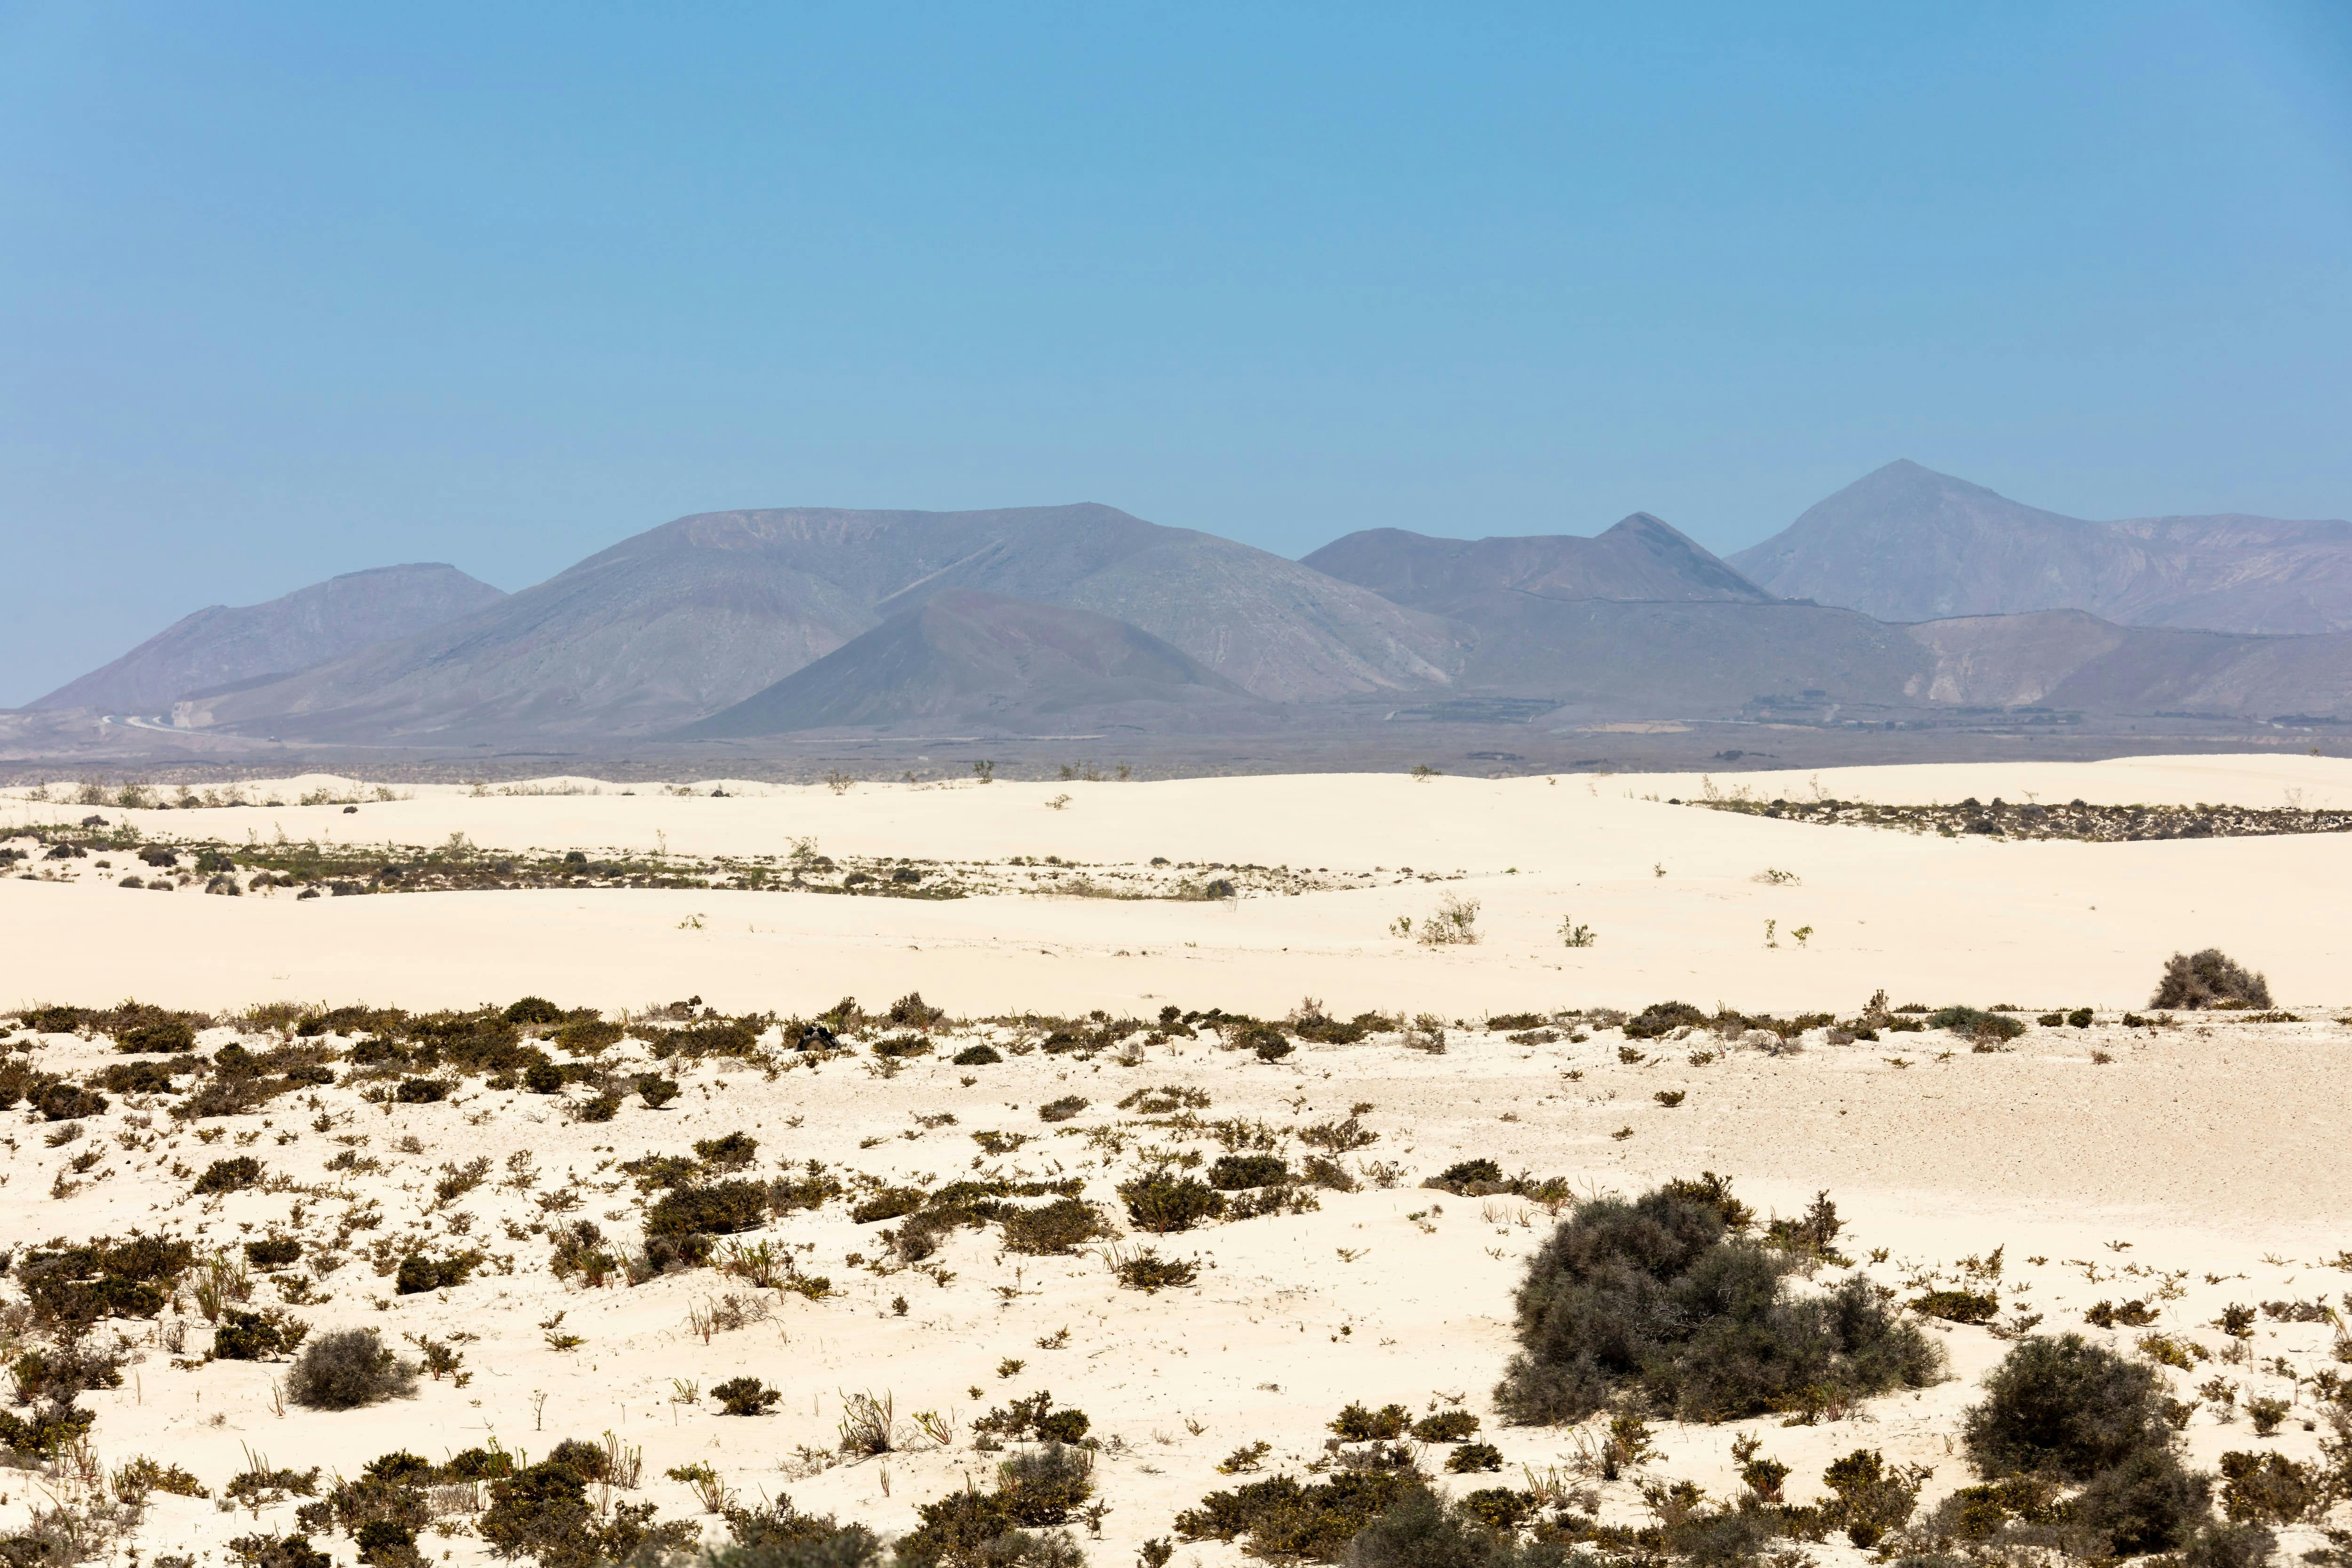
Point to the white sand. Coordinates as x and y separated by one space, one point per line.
2210 1147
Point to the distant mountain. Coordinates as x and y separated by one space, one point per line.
965 658
1907 544
2067 659
221 646
694 616
1640 558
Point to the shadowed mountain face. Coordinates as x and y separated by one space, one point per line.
221 646
963 658
1640 558
699 613
1906 544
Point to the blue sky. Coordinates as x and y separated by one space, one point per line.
288 291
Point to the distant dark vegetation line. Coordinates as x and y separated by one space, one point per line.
2074 820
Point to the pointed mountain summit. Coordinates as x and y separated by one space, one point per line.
1907 544
1640 558
220 646
968 659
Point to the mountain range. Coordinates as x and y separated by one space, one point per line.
1907 544
219 647
1906 593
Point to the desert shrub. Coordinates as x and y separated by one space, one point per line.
345 1370
2132 1314
2147 1502
230 1176
1421 1530
1145 1270
901 1046
978 1055
2270 1489
1659 1296
1160 1201
1472 1458
1357 1424
543 1078
912 1012
657 1092
890 1203
136 1078
1468 1178
1034 1416
421 1091
59 1101
257 1336
1976 1024
419 1273
1445 1426
717 1208
1660 1018
533 1010
542 1512
2209 979
64 1374
50 1430
1061 1110
2063 1408
1042 1485
780 1536
745 1396
1060 1226
732 1152
1868 1497
157 1037
1238 1173
669 1254
1958 1306
585 1037
1283 1518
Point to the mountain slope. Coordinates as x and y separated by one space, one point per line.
2067 659
695 615
969 658
1906 544
1639 558
220 646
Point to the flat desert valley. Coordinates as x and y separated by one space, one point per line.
922 1113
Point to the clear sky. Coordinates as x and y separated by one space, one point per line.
292 291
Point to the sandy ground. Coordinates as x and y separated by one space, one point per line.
1670 892
2211 1153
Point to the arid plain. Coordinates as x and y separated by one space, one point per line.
1179 956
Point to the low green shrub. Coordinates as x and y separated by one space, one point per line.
1145 1270
1061 1110
257 1336
1445 1426
419 1273
1660 1298
345 1370
745 1396
2063 1408
1238 1173
977 1057
717 1208
1054 1228
234 1174
1160 1201
421 1091
2209 979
